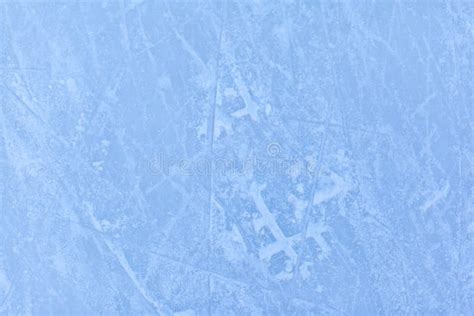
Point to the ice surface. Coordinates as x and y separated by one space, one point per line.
236 157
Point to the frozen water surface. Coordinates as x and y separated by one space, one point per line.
236 157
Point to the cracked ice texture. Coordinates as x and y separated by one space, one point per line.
342 133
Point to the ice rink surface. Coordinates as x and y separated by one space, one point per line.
236 157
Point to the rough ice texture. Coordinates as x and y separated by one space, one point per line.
247 157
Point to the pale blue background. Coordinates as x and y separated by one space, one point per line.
236 158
